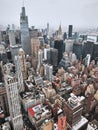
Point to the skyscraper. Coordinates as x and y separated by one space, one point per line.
68 45
40 58
20 63
59 45
47 28
73 109
54 56
48 71
13 101
64 36
25 37
77 49
12 40
35 45
47 54
3 99
88 49
70 31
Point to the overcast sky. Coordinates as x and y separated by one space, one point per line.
80 13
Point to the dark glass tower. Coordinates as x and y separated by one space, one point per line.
88 49
25 37
65 36
70 31
77 49
59 45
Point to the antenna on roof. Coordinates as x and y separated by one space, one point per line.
23 3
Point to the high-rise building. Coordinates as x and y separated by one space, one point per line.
73 109
47 54
0 37
70 29
59 45
58 34
54 56
76 36
87 60
20 63
14 50
25 36
88 48
35 45
64 36
47 28
19 74
13 101
65 62
95 52
12 37
48 71
3 99
40 59
77 49
69 45
41 39
3 56
51 56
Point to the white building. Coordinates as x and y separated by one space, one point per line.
46 55
40 58
20 63
87 60
13 101
19 74
48 71
12 37
28 100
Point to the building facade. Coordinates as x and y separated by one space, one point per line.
12 39
70 29
20 63
59 45
25 37
48 72
14 102
3 99
35 44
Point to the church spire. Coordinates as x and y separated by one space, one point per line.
60 37
60 30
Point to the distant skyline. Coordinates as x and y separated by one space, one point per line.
79 13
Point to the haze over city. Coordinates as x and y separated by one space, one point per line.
76 12
49 65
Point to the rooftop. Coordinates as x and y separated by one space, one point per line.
38 110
